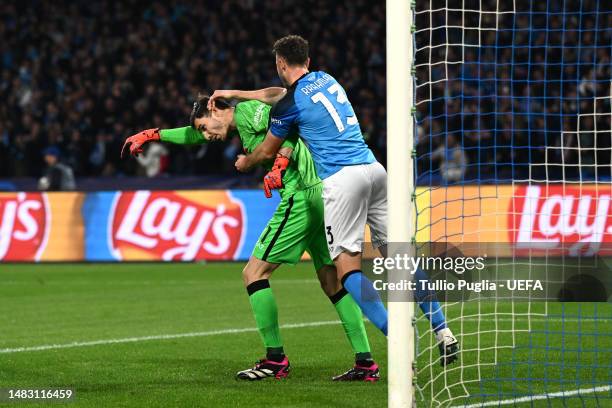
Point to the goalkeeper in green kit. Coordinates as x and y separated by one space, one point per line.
296 226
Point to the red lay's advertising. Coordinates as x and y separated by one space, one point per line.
168 226
25 226
566 218
576 217
225 224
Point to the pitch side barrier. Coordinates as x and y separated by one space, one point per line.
194 225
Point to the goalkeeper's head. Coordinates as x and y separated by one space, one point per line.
214 124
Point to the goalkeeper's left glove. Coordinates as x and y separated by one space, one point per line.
274 178
139 139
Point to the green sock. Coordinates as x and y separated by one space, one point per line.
352 322
266 315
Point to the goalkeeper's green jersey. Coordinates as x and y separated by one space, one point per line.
252 120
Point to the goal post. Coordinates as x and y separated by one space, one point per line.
401 183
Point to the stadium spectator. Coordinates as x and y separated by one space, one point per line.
453 161
57 176
154 160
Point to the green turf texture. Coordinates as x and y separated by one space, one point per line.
55 304
59 304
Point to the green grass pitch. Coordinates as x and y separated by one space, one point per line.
62 304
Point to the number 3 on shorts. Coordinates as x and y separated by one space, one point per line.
330 235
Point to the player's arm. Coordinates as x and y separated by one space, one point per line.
269 96
185 136
267 150
283 119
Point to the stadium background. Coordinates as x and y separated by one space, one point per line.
82 76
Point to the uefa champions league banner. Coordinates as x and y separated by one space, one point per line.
225 224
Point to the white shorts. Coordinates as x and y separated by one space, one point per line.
352 197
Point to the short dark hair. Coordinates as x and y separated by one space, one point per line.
200 108
293 49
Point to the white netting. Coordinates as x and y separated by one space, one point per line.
514 145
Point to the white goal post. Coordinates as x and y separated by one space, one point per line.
401 228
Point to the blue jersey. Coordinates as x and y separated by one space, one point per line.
317 108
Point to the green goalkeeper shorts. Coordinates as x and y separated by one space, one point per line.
296 227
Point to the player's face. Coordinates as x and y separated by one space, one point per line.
212 128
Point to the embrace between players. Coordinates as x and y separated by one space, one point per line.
308 138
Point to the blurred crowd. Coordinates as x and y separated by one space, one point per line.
521 93
84 75
81 76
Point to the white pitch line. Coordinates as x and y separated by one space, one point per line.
530 398
159 337
193 334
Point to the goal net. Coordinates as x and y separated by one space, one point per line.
512 158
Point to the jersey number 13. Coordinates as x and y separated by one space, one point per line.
341 98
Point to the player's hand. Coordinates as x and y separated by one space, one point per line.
274 178
138 140
241 163
220 93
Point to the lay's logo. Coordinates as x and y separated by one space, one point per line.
575 218
174 225
24 226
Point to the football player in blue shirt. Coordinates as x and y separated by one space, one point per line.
354 184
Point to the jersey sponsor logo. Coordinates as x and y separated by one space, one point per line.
276 121
167 225
561 217
258 115
24 226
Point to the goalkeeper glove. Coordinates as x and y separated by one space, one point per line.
139 139
274 178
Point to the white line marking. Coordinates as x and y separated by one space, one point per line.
287 326
159 337
530 398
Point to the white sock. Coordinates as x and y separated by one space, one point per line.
446 336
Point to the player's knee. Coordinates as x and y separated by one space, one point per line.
347 262
329 280
251 273
255 270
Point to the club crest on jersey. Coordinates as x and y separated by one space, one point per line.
174 225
